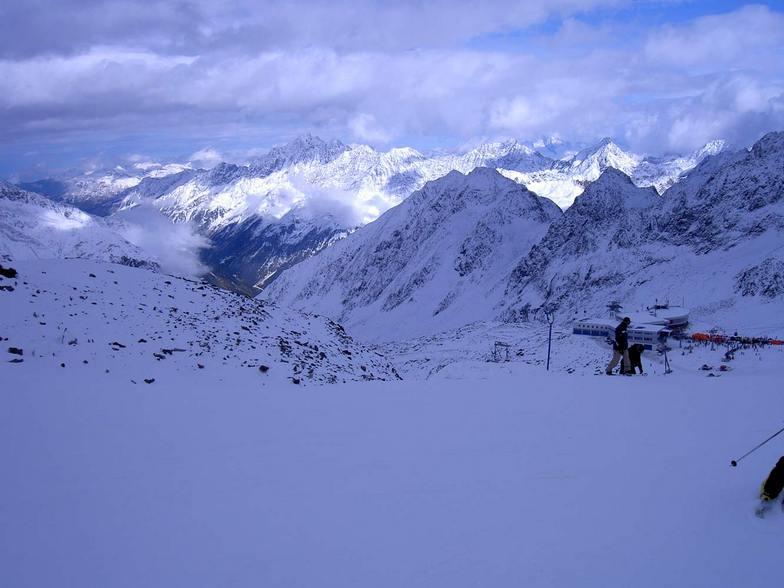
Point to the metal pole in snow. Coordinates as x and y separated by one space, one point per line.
550 318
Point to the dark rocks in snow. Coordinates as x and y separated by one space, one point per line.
149 380
244 333
172 350
17 360
8 272
6 288
15 351
765 279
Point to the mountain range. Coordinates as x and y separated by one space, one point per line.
713 240
473 245
278 209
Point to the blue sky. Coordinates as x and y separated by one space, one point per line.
133 79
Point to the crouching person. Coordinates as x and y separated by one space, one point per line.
620 348
771 488
635 357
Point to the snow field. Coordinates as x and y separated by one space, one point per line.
517 479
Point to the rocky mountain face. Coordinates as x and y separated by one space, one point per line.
255 251
715 235
472 248
595 244
429 263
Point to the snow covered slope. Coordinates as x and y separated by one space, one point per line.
715 241
119 324
34 227
436 261
508 479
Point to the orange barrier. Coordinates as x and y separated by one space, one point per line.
717 338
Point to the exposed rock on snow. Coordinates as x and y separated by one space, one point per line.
144 325
765 279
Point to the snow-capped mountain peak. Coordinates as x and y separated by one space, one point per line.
434 257
710 148
613 193
607 154
305 149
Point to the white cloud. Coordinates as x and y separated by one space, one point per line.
175 246
663 88
740 38
206 158
364 127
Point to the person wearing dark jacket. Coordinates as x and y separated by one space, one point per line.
620 348
772 487
774 484
635 353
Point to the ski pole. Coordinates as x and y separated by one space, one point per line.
734 462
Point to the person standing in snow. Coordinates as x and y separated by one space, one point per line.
620 348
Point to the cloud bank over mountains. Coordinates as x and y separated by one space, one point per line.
165 78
